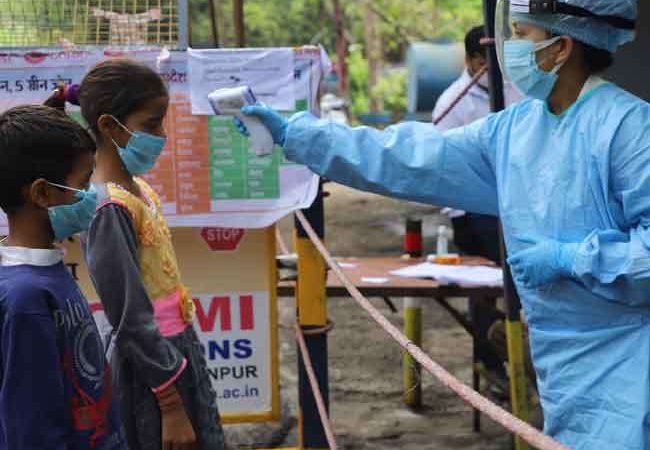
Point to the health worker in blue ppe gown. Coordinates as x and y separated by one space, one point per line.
568 172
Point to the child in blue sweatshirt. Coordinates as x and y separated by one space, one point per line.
55 383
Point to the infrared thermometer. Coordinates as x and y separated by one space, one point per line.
229 102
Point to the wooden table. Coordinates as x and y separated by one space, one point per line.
358 269
395 286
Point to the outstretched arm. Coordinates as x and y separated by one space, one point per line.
411 160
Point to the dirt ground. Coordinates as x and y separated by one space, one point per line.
365 365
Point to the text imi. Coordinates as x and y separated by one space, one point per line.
223 314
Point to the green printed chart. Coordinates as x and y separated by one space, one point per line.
236 171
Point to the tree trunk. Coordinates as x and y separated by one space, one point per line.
238 19
341 48
374 55
214 24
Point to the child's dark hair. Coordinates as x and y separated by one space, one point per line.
37 142
117 87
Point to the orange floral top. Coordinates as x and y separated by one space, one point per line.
157 259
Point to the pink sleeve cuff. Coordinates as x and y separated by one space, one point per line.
171 381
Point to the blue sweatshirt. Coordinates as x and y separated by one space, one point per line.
55 383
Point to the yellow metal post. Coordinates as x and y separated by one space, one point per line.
275 357
311 305
310 288
411 369
517 372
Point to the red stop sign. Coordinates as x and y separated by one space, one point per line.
222 239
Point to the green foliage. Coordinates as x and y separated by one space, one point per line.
299 22
274 23
391 88
291 22
32 23
358 70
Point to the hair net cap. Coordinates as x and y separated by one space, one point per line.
586 29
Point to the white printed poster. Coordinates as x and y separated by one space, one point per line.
234 331
29 77
268 72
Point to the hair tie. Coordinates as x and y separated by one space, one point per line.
71 94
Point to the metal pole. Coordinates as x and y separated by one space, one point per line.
514 330
412 370
311 304
497 100
184 24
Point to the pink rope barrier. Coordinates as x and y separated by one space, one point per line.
320 403
515 425
461 95
284 249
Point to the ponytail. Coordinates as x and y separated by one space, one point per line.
64 93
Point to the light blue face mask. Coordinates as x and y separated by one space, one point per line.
523 70
141 152
68 220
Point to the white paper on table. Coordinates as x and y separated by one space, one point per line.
345 265
450 274
374 280
269 72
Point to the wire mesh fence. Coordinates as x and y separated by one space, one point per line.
35 23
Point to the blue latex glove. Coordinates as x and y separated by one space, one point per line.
546 260
276 123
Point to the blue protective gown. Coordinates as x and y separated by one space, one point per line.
582 177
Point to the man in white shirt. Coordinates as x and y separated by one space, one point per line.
476 104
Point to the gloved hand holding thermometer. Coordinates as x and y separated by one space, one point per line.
272 120
230 102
